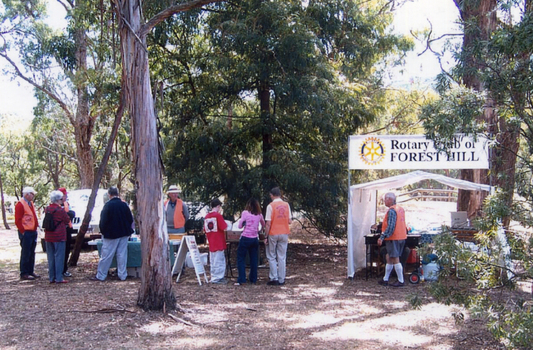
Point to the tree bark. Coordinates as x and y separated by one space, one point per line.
479 20
84 123
268 125
155 292
80 237
6 225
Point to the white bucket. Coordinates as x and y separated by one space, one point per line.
431 271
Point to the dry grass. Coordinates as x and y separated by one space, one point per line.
318 308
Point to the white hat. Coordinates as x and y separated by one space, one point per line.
28 190
174 189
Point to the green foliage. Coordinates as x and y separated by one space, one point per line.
470 277
457 111
415 300
76 102
316 63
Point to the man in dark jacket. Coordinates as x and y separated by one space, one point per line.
116 226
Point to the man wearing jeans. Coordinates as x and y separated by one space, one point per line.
278 219
26 222
116 227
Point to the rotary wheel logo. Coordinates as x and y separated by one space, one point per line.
372 151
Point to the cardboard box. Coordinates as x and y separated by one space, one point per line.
233 235
176 236
459 219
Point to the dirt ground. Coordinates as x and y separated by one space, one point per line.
317 308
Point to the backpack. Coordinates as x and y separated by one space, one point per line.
48 221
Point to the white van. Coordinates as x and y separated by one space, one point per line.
78 200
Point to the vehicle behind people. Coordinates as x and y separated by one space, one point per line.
78 200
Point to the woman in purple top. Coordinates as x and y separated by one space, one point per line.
251 218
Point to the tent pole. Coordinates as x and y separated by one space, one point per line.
349 234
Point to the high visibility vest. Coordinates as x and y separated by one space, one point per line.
279 221
29 220
179 218
400 230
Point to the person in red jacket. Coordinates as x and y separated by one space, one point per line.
214 227
70 230
56 239
26 222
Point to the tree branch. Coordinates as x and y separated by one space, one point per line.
53 96
172 10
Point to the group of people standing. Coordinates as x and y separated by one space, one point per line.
56 240
116 225
276 229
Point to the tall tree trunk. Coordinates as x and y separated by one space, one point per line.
155 292
479 20
268 179
98 178
84 124
6 225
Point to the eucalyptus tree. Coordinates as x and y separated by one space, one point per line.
156 288
265 93
73 70
50 142
491 64
503 69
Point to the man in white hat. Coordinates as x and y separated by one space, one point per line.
26 222
176 211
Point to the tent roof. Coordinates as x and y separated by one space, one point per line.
416 176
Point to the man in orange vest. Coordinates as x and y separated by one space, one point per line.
394 233
176 211
26 222
278 219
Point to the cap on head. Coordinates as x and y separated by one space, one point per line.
62 190
174 189
27 190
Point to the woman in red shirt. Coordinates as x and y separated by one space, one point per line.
56 239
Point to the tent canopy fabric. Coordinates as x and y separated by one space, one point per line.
416 176
362 208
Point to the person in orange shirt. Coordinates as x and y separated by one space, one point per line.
394 234
176 210
278 219
26 222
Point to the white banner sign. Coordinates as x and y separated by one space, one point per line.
415 152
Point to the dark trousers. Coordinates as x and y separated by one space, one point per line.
28 241
68 243
250 246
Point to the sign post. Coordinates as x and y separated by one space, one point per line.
191 247
416 152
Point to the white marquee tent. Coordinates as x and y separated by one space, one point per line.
363 205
